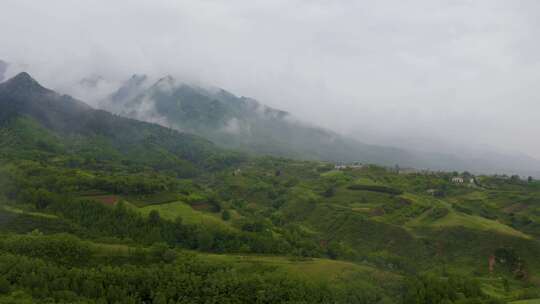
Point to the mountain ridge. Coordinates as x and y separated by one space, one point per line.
246 124
82 126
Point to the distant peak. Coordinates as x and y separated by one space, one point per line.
166 84
168 79
136 79
24 77
24 82
3 68
138 76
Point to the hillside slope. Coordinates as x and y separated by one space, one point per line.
246 124
238 122
75 128
96 208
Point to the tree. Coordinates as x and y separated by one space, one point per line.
5 287
214 204
530 179
330 191
158 250
506 284
138 254
226 215
169 256
43 198
334 250
154 218
205 240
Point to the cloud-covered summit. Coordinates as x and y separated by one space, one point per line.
464 72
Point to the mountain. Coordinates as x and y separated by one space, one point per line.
238 122
458 156
76 128
3 69
244 123
98 208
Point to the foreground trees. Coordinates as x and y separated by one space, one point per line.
188 280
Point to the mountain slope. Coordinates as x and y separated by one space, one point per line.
106 184
245 124
79 127
239 122
3 68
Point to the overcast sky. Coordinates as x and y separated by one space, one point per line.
432 71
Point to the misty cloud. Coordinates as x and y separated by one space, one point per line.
391 72
3 69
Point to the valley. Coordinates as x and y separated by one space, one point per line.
99 208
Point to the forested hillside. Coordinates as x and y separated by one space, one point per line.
97 208
246 124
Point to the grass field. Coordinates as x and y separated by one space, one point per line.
312 269
318 269
477 222
533 301
189 215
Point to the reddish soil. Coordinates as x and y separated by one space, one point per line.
515 208
200 206
491 262
107 199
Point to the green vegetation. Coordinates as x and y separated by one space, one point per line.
100 209
171 211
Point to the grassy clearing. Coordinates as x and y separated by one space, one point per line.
358 198
171 211
318 269
455 219
532 301
101 249
311 269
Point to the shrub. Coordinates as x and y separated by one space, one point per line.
61 248
226 215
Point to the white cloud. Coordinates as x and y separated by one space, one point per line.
455 70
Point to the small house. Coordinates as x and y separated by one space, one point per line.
457 180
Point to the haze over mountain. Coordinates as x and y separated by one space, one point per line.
3 68
246 124
242 123
460 72
270 151
66 125
98 208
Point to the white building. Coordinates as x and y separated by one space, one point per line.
457 180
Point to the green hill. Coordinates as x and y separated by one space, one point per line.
97 208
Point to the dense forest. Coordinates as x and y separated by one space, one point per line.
97 208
